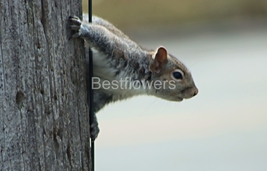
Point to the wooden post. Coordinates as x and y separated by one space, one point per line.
43 104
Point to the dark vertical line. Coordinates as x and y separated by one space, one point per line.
90 10
90 88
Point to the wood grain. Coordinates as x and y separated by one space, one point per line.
43 110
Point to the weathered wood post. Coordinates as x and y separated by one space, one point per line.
43 109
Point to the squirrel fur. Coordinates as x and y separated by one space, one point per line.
116 57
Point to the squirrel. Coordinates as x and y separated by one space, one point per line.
123 69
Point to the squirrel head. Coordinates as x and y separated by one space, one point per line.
170 78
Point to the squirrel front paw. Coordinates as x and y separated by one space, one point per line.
75 25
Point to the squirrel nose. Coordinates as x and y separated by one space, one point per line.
195 92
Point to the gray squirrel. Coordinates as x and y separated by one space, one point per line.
123 69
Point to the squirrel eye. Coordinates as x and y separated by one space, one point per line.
177 74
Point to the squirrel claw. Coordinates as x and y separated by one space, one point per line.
75 25
76 35
75 20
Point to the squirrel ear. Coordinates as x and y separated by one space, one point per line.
161 55
159 59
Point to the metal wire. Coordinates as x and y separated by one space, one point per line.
90 69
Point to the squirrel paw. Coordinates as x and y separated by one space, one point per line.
75 25
94 131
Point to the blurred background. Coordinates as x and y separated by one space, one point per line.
223 128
